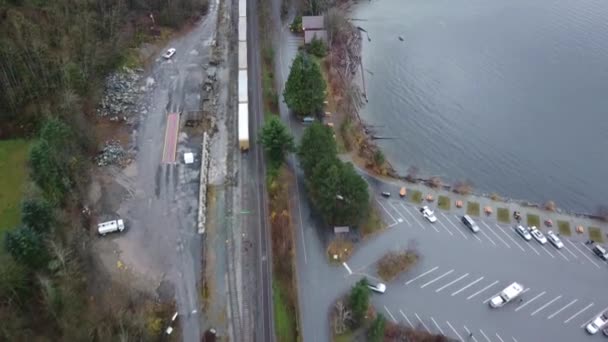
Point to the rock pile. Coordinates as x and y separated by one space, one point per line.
120 94
112 154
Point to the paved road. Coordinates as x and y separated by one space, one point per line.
264 316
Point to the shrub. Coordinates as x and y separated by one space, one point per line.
394 263
317 47
358 300
376 331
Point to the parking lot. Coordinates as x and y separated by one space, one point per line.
448 290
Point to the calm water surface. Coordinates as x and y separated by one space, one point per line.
512 95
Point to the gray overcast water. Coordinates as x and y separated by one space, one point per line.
512 95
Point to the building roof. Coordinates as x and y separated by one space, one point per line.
320 34
313 22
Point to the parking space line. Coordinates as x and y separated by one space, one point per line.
452 282
510 237
544 306
562 309
347 268
444 227
421 322
434 280
455 226
578 313
399 213
562 254
390 314
407 319
487 236
484 335
389 214
584 254
514 339
469 333
412 216
500 338
437 325
544 247
530 301
421 275
467 286
569 251
482 290
593 317
455 332
497 236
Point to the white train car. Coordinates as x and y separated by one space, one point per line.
243 87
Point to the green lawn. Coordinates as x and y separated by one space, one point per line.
502 214
13 162
416 196
284 320
596 235
443 202
473 208
533 220
564 228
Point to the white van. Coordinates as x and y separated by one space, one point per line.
110 227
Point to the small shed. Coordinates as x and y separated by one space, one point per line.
341 230
309 35
313 23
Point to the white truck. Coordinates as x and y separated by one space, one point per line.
110 227
508 294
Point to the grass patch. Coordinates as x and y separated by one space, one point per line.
13 168
596 235
373 223
284 320
340 247
564 228
533 220
394 263
472 208
443 202
502 215
416 196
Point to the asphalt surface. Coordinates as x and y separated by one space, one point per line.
161 241
255 176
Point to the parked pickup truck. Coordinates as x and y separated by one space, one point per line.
508 294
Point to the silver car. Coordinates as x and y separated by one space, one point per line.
555 240
538 235
523 231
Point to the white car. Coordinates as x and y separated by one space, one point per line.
538 235
521 230
598 323
169 53
428 214
380 287
555 240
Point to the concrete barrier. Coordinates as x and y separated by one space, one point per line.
202 190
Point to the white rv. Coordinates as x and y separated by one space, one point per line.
110 227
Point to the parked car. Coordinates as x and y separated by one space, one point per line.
379 287
521 230
598 323
538 235
428 214
386 194
600 251
402 192
468 221
169 53
555 240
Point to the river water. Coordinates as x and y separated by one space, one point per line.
511 95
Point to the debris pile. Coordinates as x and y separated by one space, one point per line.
112 154
120 94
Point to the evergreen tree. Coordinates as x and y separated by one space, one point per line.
305 88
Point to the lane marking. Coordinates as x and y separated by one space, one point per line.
390 314
497 236
455 227
510 237
484 335
569 251
562 254
452 282
543 247
347 268
438 327
434 280
444 227
578 313
514 339
407 319
421 275
530 301
487 236
500 338
454 330
386 211
469 333
593 317
562 309
412 216
480 291
584 254
421 322
467 286
399 213
544 306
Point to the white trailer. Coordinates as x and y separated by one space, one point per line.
242 29
242 8
508 294
244 126
242 55
243 97
110 227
